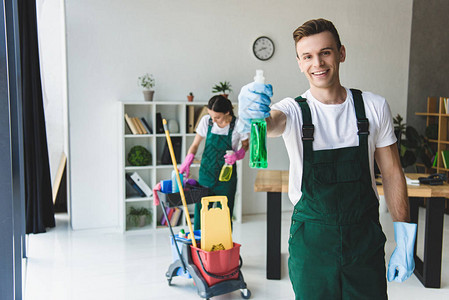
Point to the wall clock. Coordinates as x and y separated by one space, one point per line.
263 48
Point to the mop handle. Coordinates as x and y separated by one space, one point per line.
178 179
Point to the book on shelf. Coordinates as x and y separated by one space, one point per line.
176 143
141 184
190 119
435 160
175 217
163 219
159 125
445 156
131 191
142 126
147 127
131 125
127 122
139 125
201 114
134 185
170 214
445 105
169 211
136 125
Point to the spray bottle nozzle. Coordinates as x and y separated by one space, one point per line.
259 77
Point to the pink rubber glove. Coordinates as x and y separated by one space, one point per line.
185 167
156 188
232 158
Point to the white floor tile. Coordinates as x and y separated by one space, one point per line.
106 264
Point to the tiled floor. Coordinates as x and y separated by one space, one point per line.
105 264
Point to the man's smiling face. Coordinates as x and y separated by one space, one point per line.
319 59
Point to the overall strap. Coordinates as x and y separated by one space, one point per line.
209 125
363 127
362 121
231 126
307 128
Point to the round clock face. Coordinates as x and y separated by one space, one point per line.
263 48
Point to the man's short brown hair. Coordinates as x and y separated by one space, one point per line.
314 27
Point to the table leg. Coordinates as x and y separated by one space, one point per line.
414 213
273 235
428 270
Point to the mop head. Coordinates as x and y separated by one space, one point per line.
217 247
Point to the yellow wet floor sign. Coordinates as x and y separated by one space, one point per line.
216 231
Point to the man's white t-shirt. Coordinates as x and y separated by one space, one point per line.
335 127
236 136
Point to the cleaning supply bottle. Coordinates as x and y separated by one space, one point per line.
258 138
226 170
174 182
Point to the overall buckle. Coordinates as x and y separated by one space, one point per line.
363 126
307 132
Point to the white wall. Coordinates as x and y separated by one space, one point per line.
53 76
189 45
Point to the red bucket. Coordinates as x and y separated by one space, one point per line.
218 265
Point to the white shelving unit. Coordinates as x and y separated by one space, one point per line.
155 143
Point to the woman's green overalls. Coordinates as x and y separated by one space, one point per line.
336 243
211 163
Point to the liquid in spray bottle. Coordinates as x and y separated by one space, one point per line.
226 170
258 139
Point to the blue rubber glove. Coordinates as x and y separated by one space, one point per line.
402 262
254 103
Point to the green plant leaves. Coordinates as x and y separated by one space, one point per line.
147 81
139 156
222 87
414 145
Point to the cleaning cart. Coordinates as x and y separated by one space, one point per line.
213 272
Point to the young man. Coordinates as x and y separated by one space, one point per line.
332 135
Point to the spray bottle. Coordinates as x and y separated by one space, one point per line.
174 182
258 139
226 170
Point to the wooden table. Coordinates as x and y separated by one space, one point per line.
274 183
428 270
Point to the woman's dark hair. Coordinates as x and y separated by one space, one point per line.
220 104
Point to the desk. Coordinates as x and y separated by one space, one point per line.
428 270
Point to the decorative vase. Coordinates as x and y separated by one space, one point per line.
173 126
225 95
148 95
189 98
142 220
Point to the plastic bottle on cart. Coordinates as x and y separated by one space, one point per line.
174 182
226 170
258 138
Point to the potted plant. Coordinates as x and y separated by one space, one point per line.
190 97
413 146
139 217
223 87
147 82
139 156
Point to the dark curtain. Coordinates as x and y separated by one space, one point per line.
38 193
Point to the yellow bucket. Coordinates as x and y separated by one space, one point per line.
216 233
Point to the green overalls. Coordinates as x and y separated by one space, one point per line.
336 242
211 163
